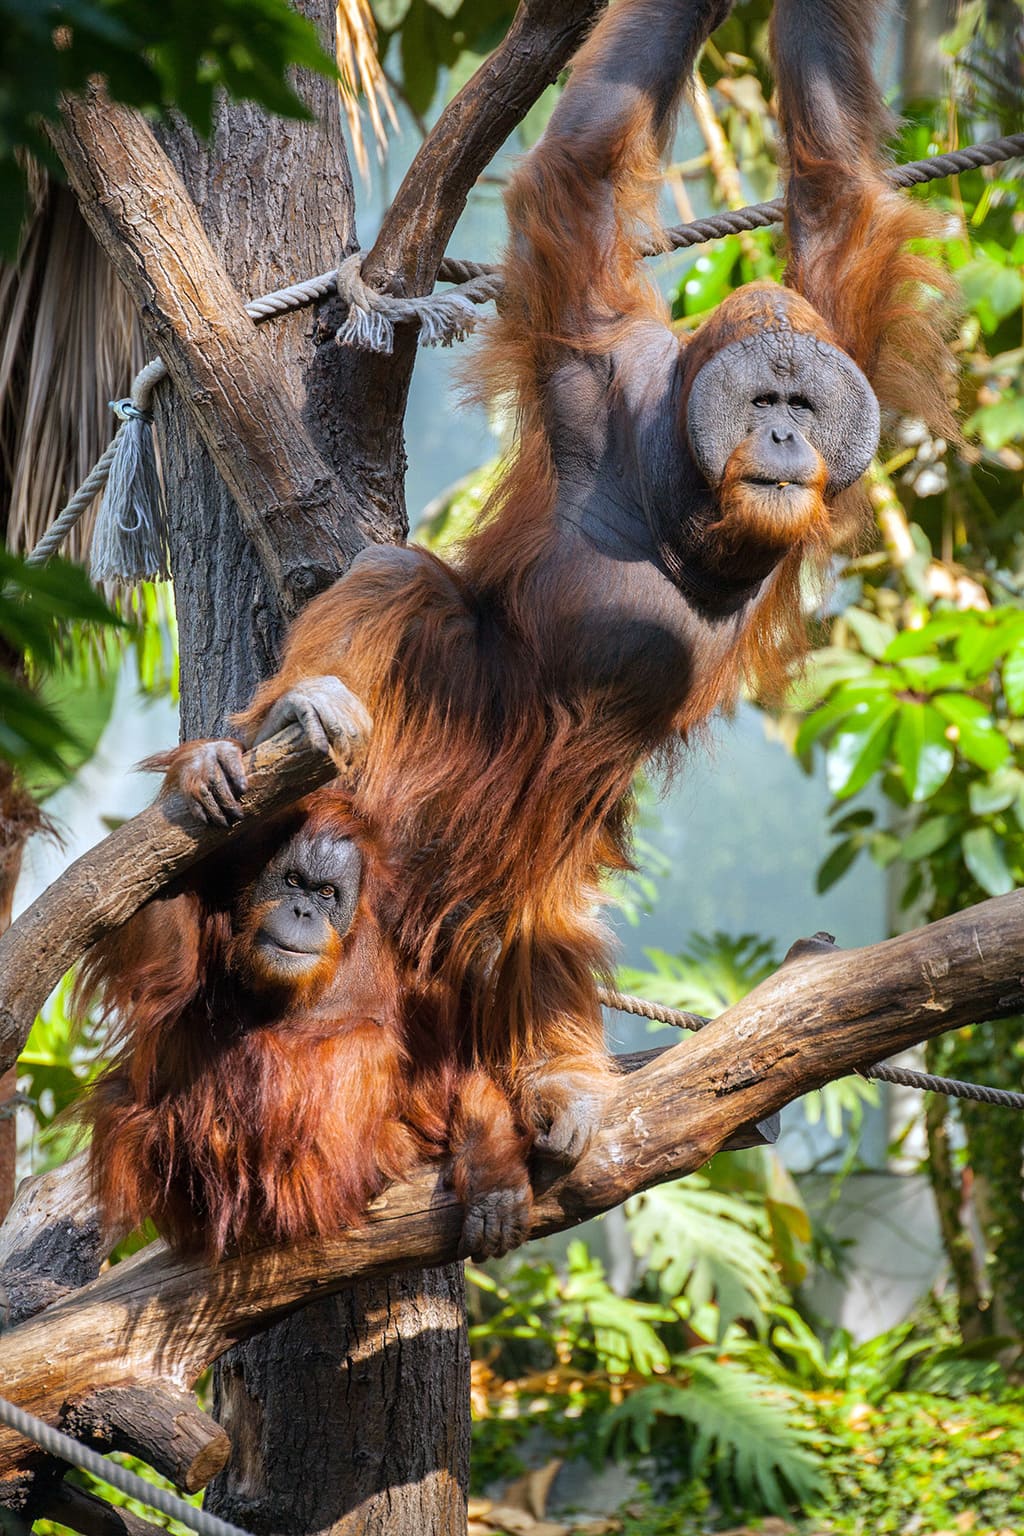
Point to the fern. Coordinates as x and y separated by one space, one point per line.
743 1435
706 977
710 1245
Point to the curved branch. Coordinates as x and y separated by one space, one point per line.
107 885
472 128
157 1321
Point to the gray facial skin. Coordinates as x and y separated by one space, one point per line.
313 884
790 393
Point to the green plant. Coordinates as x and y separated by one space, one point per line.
747 1438
37 606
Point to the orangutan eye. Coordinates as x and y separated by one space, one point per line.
765 400
328 892
801 403
291 880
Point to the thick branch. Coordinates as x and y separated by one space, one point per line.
472 128
224 370
368 446
103 888
158 1321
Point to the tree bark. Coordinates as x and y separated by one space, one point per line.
411 242
312 1407
19 816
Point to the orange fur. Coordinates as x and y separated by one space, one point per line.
508 724
234 1114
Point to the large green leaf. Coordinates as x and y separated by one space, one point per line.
929 836
977 737
985 857
922 750
858 748
744 1432
844 699
709 1245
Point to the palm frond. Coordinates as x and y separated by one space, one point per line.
69 343
360 71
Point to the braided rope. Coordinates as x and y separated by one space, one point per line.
372 315
924 1082
952 1087
55 1443
66 519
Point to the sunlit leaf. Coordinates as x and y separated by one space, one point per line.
859 746
985 857
922 750
975 732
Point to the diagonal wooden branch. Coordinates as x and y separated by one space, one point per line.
156 1321
415 231
468 134
103 888
223 368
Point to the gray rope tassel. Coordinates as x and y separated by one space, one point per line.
129 541
442 317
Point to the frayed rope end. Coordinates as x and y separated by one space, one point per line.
129 541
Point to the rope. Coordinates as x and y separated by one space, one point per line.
442 317
447 316
952 1087
55 1443
924 1082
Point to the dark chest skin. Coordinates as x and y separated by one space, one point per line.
638 611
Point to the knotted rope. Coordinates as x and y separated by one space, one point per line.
442 317
131 530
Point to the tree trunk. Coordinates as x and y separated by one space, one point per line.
351 1416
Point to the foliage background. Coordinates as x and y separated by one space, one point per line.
708 1374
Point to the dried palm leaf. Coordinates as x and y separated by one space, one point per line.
69 343
360 70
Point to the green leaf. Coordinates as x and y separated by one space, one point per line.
858 747
419 59
922 751
390 14
998 424
836 865
884 848
992 290
975 734
929 836
844 700
744 1433
985 857
1013 679
875 634
709 1244
987 796
981 646
854 820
